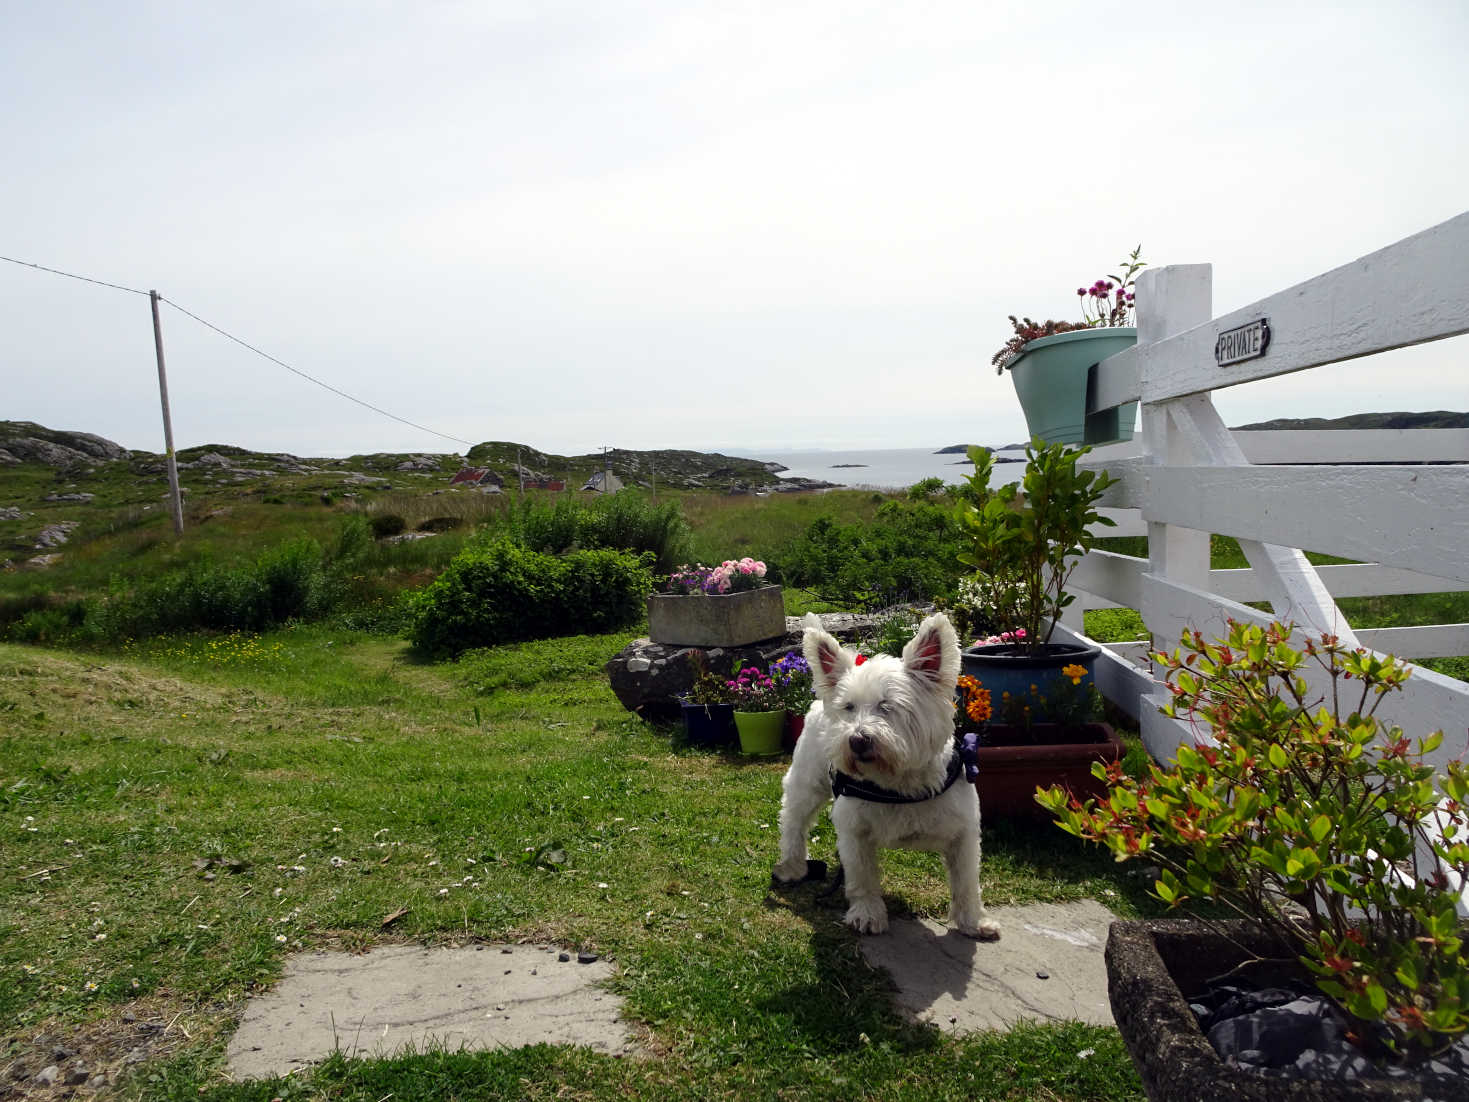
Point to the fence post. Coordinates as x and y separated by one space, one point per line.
1170 300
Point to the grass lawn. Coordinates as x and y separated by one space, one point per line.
179 815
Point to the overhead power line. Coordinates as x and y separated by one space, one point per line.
310 378
245 344
73 275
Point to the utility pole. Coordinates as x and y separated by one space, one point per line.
173 467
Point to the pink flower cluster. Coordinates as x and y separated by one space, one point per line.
1015 636
731 573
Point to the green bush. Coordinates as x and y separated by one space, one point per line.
289 581
624 521
908 553
354 539
293 582
49 625
502 593
384 525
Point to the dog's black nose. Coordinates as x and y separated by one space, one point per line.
860 744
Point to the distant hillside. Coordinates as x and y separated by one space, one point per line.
26 445
963 449
1436 419
671 468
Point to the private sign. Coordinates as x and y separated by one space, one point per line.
1244 343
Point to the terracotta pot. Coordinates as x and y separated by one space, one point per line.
1011 769
795 724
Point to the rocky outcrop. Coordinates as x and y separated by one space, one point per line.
648 677
28 442
54 535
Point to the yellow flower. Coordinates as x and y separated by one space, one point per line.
1075 672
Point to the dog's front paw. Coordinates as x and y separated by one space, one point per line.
790 871
867 917
980 931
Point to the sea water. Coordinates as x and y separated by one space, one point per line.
883 468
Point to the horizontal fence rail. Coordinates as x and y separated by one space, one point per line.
1395 502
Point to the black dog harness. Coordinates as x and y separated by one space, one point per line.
965 760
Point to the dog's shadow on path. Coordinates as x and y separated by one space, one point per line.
852 1002
928 964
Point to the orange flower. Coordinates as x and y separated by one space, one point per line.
1075 672
976 699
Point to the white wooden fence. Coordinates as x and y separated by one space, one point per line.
1397 502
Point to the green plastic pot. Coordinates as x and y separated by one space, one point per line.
1052 376
760 732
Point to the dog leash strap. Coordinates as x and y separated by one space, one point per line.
843 784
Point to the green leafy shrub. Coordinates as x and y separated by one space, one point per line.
893 633
293 582
908 553
354 539
1026 538
48 625
502 593
624 521
286 582
1312 819
384 525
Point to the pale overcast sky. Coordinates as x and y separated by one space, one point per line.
727 226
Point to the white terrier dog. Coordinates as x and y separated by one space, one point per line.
879 740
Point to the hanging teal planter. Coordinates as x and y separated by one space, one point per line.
1052 377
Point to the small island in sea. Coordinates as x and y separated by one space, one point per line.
834 466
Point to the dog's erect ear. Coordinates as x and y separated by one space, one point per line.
828 662
932 655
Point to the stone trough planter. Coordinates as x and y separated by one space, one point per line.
716 619
1155 966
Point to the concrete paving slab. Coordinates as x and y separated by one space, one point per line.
475 997
1047 965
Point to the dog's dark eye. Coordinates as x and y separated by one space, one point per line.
848 706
